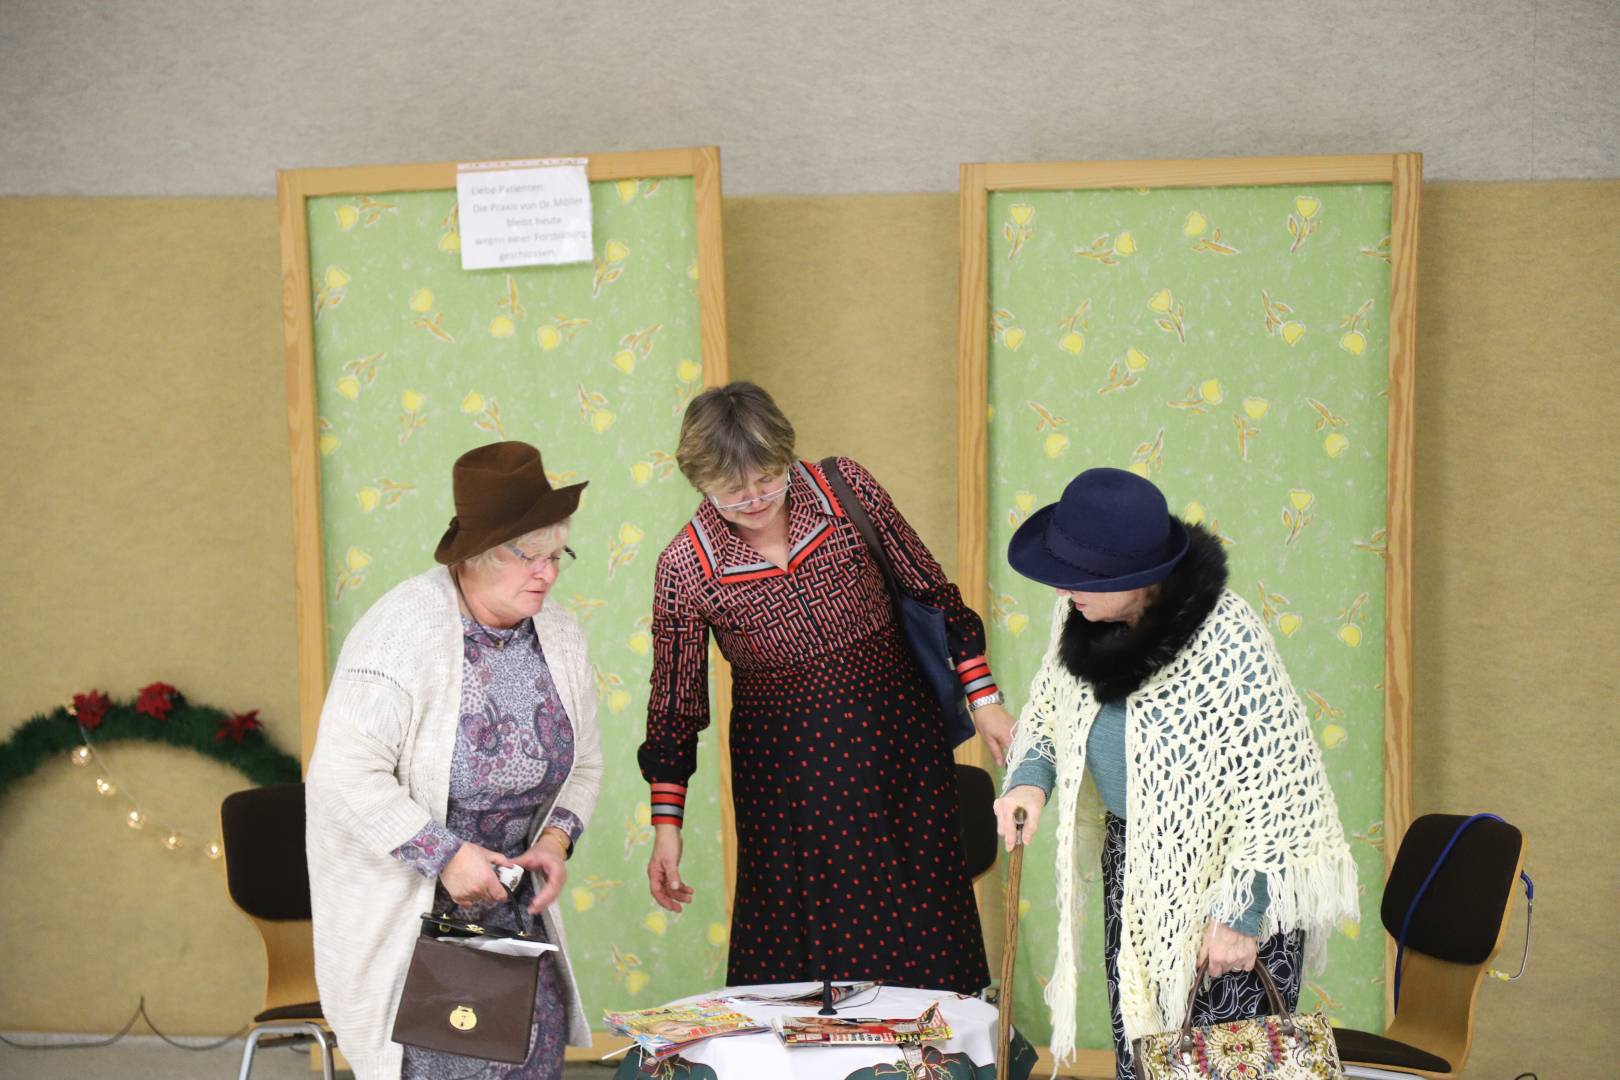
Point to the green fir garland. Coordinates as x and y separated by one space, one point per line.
164 717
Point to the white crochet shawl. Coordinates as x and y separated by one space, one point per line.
1225 781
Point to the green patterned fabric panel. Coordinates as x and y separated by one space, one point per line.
417 361
1231 344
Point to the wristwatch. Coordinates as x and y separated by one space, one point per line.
992 698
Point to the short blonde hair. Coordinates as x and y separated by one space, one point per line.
731 432
494 558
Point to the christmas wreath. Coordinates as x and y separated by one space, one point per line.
160 714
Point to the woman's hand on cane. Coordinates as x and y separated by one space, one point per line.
1026 797
664 870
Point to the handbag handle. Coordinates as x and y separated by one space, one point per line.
1285 1019
467 926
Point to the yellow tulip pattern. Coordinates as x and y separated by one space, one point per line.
626 546
638 830
593 409
417 362
383 492
657 465
330 293
1212 243
1277 319
609 266
1247 420
582 607
637 345
1354 340
1005 326
363 211
558 331
689 376
1303 221
485 411
1019 228
1172 317
610 690
1108 249
1073 328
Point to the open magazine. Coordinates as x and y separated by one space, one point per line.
663 1032
809 999
854 1031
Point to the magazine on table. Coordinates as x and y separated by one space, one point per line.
863 1031
665 1031
809 999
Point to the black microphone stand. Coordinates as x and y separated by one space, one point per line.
826 999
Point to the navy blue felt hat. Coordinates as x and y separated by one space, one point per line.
1111 531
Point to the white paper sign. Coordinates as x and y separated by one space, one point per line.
523 213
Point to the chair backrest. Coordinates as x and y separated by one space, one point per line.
1460 918
262 830
976 818
1458 926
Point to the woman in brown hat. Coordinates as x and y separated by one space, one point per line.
458 736
849 863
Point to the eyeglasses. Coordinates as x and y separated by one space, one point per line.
559 562
768 497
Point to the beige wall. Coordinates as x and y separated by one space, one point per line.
813 97
147 527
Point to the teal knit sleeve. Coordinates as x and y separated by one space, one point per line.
1035 770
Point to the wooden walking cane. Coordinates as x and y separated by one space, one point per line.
1004 996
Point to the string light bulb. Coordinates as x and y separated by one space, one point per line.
173 841
80 756
136 819
213 850
105 786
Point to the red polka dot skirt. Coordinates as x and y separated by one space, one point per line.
850 862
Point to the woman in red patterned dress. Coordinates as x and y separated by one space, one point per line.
849 863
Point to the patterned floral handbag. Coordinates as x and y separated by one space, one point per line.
1282 1046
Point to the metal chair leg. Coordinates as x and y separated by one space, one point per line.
248 1052
298 1029
325 1044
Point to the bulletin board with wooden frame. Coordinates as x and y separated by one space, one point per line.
398 361
1242 332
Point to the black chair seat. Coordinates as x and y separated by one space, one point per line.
310 1010
1365 1048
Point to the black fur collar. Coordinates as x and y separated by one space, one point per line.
1117 659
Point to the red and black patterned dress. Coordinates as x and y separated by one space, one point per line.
849 861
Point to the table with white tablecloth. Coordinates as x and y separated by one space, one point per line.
970 1053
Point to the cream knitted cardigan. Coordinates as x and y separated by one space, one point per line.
381 771
1225 781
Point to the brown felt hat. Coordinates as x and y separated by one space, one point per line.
501 493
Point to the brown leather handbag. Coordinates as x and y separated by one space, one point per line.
467 1000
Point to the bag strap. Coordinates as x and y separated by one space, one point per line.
862 521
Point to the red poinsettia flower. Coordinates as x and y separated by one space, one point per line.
239 725
90 708
156 700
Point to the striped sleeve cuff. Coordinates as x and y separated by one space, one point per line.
668 804
977 682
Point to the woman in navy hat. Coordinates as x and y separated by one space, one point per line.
1162 722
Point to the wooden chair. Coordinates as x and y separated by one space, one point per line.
976 818
1458 926
268 879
